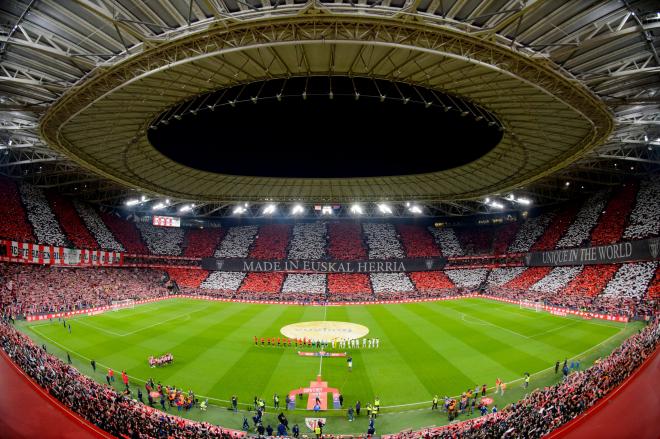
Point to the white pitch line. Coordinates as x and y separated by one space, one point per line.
493 324
325 313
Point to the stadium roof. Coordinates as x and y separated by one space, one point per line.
574 83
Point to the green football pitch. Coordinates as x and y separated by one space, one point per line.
425 349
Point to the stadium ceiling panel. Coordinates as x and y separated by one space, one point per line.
574 83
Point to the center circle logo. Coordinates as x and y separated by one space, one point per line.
325 330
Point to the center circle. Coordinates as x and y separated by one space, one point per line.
325 331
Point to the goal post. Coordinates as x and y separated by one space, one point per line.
531 304
121 304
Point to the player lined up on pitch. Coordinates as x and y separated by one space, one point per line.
364 343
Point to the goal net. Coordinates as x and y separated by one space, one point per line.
121 304
530 304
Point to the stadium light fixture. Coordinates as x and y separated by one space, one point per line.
525 201
158 206
415 209
269 209
646 138
186 208
497 205
356 209
326 210
384 208
132 202
487 200
239 210
143 198
297 209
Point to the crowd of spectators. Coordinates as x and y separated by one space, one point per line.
475 240
382 241
304 283
46 228
391 282
237 242
262 283
417 241
467 278
591 280
345 241
447 240
631 280
161 240
35 289
503 236
579 231
98 229
528 278
546 409
500 276
18 228
612 222
117 413
71 223
644 220
349 283
271 242
557 279
202 242
556 229
654 286
531 230
227 281
186 277
308 241
431 280
125 232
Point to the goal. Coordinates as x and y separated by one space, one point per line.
530 304
121 304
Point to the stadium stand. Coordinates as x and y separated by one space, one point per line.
591 280
579 231
186 277
529 232
556 229
528 278
304 283
308 241
467 278
71 223
349 283
236 243
199 243
33 289
417 242
503 235
95 225
654 287
271 242
475 240
382 241
557 279
345 241
18 228
431 281
447 240
391 283
631 280
612 222
161 240
46 228
262 283
645 218
125 232
500 276
223 281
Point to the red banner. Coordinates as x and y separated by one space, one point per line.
28 253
